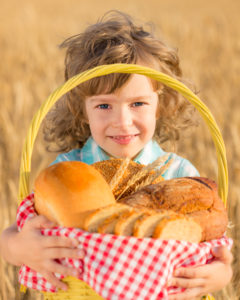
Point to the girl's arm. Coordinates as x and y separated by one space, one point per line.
39 252
205 279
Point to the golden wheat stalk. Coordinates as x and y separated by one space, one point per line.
156 163
143 172
119 174
150 179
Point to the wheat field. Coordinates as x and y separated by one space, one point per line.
207 36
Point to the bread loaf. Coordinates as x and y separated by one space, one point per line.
67 192
196 197
213 223
182 195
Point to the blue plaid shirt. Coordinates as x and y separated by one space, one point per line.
91 153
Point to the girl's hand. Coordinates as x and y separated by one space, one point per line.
200 281
38 251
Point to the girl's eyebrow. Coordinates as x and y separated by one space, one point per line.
140 98
100 97
110 97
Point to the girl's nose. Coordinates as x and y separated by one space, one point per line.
122 118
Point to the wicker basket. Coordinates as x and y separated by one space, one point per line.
78 289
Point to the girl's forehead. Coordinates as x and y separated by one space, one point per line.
138 86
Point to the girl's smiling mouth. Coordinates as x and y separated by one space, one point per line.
123 139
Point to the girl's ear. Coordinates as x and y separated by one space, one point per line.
86 120
159 93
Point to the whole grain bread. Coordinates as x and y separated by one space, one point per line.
183 195
196 197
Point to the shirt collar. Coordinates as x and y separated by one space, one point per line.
149 153
92 153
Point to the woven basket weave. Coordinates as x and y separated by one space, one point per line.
78 289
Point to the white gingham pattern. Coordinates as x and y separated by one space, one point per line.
119 267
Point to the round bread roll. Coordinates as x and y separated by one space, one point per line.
67 192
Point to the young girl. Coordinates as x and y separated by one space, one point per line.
118 115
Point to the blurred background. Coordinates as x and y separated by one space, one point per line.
207 36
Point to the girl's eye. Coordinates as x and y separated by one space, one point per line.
103 106
138 104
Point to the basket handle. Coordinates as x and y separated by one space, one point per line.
25 166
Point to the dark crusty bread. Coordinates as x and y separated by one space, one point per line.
197 197
213 222
183 195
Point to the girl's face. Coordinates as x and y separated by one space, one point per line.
123 122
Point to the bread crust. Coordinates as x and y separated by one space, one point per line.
68 191
196 197
183 195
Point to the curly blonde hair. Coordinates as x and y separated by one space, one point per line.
114 39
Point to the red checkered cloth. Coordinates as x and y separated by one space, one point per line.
119 267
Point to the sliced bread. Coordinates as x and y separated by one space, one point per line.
95 219
125 224
178 227
108 225
145 225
